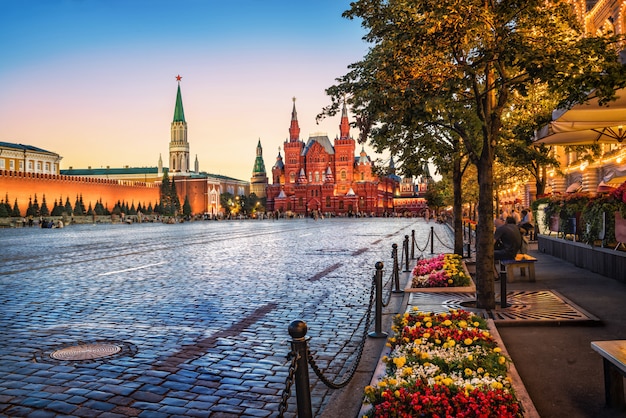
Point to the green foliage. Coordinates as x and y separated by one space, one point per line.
16 210
597 213
187 207
68 207
4 213
169 203
44 211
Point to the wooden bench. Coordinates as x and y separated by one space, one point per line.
522 261
614 361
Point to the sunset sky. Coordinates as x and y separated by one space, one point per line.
95 80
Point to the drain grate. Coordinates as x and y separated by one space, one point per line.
86 351
525 307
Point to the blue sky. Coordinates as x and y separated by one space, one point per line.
94 80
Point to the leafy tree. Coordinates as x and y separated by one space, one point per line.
90 211
57 210
99 208
16 210
44 211
79 208
68 206
227 201
187 207
459 65
35 209
3 210
175 201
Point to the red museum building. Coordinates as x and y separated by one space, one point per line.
318 177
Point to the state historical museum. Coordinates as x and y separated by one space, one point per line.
318 177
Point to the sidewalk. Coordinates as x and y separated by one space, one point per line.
562 374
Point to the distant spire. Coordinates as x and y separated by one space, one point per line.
294 128
179 114
344 127
259 165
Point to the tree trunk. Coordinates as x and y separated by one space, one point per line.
457 205
485 296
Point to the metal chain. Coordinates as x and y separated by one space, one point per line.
288 382
441 242
425 245
359 353
389 280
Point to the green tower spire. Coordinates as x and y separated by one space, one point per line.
179 114
259 165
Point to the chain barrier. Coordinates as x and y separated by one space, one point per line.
389 280
294 357
425 246
359 353
442 243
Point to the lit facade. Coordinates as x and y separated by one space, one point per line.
323 177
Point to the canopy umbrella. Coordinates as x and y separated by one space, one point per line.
584 137
587 123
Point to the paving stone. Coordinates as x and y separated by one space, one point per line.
210 328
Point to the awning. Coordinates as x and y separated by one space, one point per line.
587 123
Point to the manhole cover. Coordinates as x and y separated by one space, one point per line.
86 351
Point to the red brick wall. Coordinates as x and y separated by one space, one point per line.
22 186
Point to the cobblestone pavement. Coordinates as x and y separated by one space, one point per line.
200 311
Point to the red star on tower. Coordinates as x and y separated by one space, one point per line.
178 77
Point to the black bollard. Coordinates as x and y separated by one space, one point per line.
432 240
405 248
413 244
297 330
396 269
378 278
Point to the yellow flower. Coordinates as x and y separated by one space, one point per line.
468 372
427 319
447 381
392 381
429 324
462 324
426 335
407 371
496 385
437 341
497 350
447 322
397 393
468 341
450 281
480 370
369 390
451 343
501 360
399 362
476 324
470 357
382 384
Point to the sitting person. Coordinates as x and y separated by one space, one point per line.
508 240
526 222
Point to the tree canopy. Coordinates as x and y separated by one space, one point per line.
459 66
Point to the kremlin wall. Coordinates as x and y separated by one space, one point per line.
25 186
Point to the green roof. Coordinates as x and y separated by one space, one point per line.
179 114
23 147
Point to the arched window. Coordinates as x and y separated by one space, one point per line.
362 176
292 177
317 176
310 177
327 201
343 174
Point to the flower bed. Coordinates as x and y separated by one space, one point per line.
441 273
447 365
